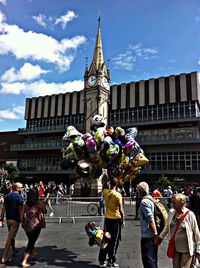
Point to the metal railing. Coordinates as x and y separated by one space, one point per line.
84 207
73 208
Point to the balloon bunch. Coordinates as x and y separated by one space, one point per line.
105 147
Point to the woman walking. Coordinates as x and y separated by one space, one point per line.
31 224
182 226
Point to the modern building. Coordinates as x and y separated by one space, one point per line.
7 139
166 111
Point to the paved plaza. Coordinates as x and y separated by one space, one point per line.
66 245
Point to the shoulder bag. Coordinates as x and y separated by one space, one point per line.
171 248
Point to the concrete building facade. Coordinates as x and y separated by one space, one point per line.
166 111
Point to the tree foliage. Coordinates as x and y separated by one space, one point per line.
163 182
13 171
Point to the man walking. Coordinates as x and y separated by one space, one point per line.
13 203
47 199
149 249
41 190
169 194
114 221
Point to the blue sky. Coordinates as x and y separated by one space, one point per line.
44 43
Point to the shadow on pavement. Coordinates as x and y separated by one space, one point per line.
50 256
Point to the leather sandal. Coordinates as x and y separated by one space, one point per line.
6 261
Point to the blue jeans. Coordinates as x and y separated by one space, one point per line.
149 252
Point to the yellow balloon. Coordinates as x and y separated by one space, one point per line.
140 160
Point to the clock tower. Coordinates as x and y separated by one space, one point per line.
96 84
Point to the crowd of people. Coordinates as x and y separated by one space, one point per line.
25 204
56 191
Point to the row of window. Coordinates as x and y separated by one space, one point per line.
155 113
173 161
158 161
163 135
52 123
169 134
170 111
36 145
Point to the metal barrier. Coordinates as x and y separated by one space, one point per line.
89 207
81 207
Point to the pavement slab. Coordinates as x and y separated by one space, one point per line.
66 245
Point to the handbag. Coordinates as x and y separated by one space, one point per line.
171 248
41 218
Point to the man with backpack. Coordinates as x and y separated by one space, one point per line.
149 234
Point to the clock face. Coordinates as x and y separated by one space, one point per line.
104 82
92 80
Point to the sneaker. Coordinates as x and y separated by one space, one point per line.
51 214
112 264
103 264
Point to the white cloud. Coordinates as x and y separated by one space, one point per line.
16 112
38 46
3 2
145 53
41 20
2 18
127 59
45 21
40 88
124 61
27 72
63 20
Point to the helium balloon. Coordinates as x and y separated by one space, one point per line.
112 152
69 161
131 133
140 160
91 145
83 168
119 132
72 132
99 135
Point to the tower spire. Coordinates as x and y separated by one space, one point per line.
98 52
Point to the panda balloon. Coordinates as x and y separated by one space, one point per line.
97 121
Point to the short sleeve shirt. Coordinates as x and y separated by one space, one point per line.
12 203
112 200
41 191
31 218
46 192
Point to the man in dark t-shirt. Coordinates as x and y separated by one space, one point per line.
48 200
13 203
